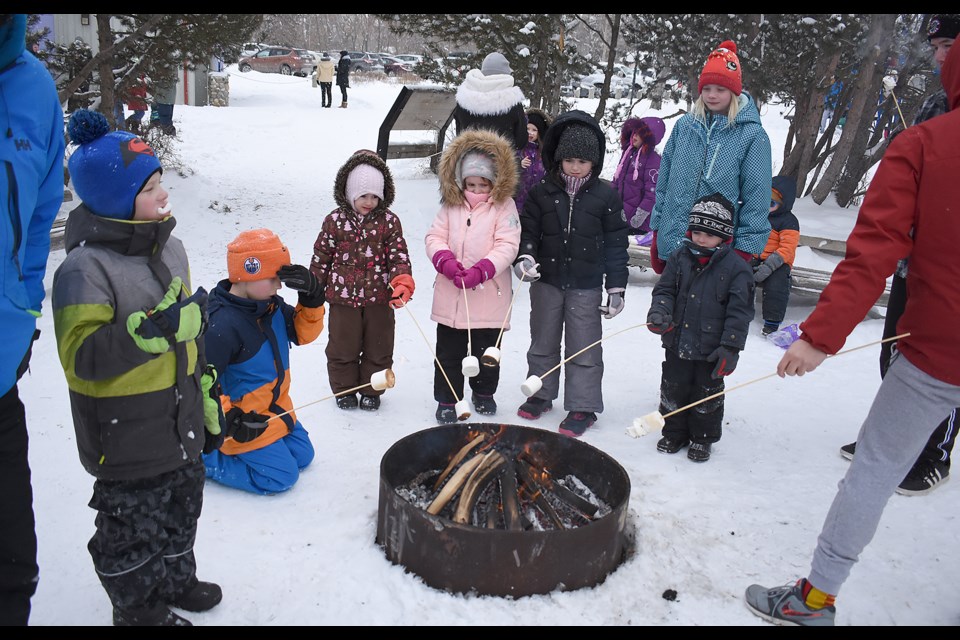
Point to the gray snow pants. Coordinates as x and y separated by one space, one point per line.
573 315
908 407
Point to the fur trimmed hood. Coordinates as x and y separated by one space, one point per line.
655 125
494 145
488 95
340 183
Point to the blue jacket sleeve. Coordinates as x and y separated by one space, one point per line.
753 220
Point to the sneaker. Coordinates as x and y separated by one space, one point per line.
699 451
576 423
666 444
348 401
369 403
769 327
533 408
924 477
847 451
203 597
485 405
786 605
446 413
156 616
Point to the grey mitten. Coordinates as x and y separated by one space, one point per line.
767 267
526 268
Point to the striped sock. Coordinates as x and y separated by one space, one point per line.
814 598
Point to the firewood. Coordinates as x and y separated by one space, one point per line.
453 485
491 464
457 458
585 507
509 499
537 495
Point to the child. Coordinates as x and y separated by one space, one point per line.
139 388
772 269
636 175
251 330
573 242
473 240
531 162
719 147
360 258
702 339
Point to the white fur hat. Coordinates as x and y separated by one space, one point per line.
477 164
362 180
495 64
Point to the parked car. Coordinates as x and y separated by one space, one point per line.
283 60
395 66
409 58
251 49
363 61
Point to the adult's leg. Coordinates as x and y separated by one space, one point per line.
546 331
583 375
18 539
345 333
906 410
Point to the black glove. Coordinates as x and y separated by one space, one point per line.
212 442
244 427
659 323
773 262
302 280
726 359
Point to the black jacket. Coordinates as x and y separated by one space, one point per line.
343 72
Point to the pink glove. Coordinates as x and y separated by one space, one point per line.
470 278
446 263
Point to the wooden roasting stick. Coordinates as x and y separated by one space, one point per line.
491 465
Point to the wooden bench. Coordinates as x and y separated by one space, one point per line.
419 109
805 283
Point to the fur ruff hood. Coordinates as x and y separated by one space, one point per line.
494 145
340 183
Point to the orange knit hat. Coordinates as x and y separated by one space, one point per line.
255 255
722 68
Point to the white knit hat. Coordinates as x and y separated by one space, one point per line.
477 164
362 180
495 64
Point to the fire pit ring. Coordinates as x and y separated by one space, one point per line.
463 558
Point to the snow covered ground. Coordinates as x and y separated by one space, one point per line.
308 557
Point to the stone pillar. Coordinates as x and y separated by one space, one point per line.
218 92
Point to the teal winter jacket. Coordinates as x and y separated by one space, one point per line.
706 157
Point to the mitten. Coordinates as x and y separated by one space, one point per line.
475 275
212 415
656 263
403 287
446 263
244 427
659 323
614 303
301 279
526 268
639 217
156 330
726 359
773 262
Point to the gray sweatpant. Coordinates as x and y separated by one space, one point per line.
908 407
574 315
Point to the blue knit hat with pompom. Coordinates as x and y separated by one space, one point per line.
109 168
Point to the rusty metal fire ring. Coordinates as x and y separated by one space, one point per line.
464 558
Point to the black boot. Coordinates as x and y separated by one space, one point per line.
158 615
202 597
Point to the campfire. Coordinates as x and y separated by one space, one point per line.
488 484
503 510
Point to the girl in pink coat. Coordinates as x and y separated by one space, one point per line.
472 244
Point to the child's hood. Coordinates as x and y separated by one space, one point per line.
358 158
489 142
656 126
552 139
787 186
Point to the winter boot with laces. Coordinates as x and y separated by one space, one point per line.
533 408
159 615
202 597
348 401
446 413
576 423
485 405
786 605
369 403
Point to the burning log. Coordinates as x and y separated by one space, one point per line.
457 458
491 464
508 498
585 507
536 492
453 485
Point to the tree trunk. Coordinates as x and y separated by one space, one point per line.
611 58
865 90
807 123
105 70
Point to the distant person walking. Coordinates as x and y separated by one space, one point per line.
343 77
324 76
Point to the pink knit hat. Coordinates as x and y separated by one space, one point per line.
362 180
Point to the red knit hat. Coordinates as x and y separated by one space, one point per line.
722 68
255 255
